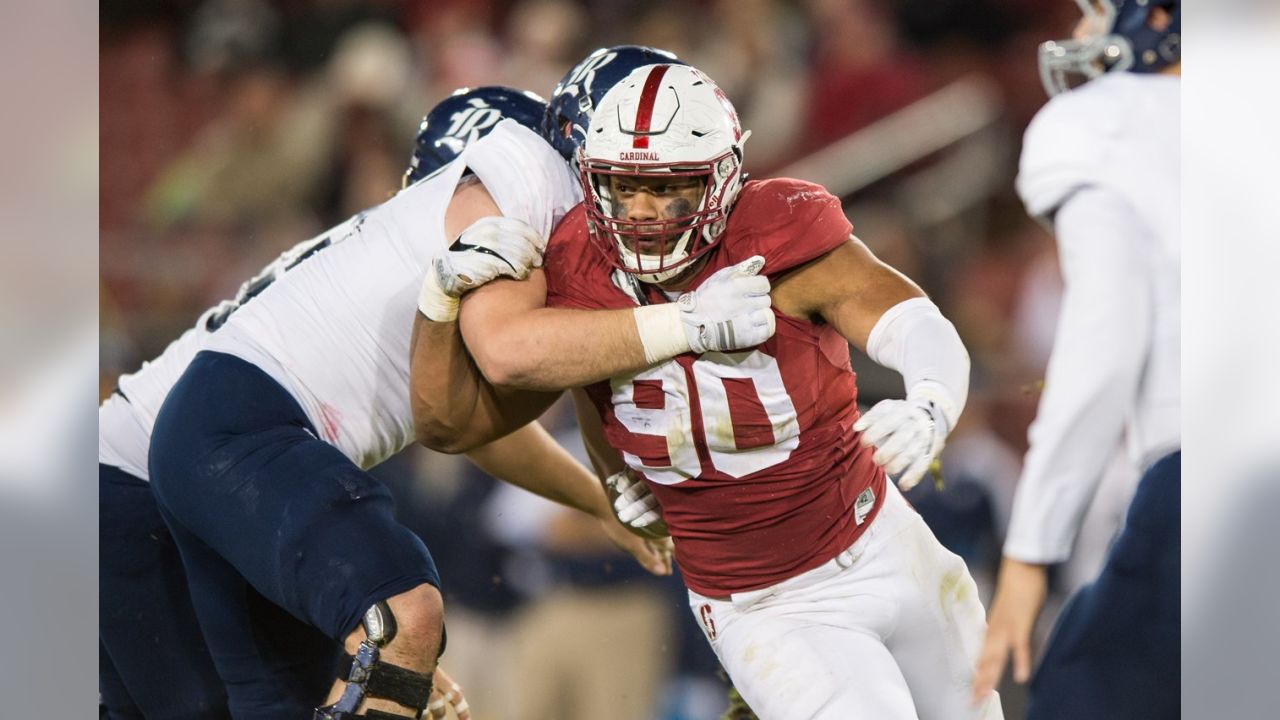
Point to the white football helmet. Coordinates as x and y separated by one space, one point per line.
662 120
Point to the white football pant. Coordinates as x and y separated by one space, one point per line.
889 629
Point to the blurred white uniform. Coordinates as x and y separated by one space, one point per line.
1102 165
335 330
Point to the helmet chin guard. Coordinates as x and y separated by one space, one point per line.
661 121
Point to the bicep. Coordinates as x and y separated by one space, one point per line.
849 287
492 313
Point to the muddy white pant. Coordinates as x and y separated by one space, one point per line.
888 629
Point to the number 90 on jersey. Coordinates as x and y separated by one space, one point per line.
748 422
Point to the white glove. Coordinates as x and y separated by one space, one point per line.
491 248
908 435
636 507
731 310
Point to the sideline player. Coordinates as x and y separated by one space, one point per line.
143 584
823 594
1101 165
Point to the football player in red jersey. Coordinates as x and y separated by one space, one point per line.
822 592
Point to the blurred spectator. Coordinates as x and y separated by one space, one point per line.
443 499
754 50
594 640
279 151
227 33
860 71
544 38
665 24
249 166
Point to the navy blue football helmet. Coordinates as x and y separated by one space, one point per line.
581 89
1118 38
464 117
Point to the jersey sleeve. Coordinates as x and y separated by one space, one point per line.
789 223
1065 147
1088 394
525 176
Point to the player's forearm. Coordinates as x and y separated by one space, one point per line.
552 348
914 338
454 408
444 385
530 458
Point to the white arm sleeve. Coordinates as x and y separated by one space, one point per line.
1098 354
914 338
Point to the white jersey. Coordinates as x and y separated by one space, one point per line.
1102 164
334 330
125 419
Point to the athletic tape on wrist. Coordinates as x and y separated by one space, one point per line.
661 332
433 302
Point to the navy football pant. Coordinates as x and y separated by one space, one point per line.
1115 652
286 542
153 662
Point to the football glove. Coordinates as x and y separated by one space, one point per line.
907 434
636 507
491 248
731 310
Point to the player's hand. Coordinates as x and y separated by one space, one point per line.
490 248
907 435
636 507
1020 593
730 310
653 555
445 694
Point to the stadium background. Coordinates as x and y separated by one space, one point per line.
231 129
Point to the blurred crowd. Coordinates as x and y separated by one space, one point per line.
231 129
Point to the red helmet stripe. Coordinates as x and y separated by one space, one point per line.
644 113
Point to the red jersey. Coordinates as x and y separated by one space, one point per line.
752 454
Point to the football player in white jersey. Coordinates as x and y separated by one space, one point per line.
153 658
349 375
1101 166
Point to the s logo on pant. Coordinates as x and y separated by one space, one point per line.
708 623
